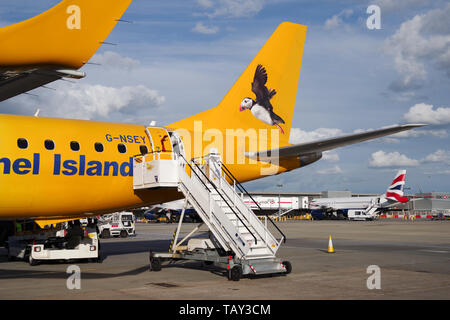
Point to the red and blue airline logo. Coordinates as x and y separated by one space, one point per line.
395 190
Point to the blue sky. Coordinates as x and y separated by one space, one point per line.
180 57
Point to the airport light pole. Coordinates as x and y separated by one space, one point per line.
279 199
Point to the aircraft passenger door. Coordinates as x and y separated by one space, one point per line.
177 143
162 145
150 140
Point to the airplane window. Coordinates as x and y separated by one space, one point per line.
75 146
122 148
98 147
143 149
49 144
22 143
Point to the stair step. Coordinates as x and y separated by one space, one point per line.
260 245
259 256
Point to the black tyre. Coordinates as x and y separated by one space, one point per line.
105 234
99 258
156 264
33 262
123 234
10 257
235 273
288 266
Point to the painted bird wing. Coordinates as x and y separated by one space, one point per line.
259 84
276 118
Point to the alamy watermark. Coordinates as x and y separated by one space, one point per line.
374 281
373 22
236 146
74 280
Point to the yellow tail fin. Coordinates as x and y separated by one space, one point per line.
66 35
270 83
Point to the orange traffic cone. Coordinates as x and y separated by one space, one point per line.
330 245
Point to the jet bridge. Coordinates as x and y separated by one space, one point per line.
238 239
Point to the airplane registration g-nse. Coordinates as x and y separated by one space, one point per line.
55 169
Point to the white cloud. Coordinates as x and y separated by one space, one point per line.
95 102
333 170
425 113
232 8
114 60
332 23
337 20
300 136
201 28
381 159
390 5
205 3
330 156
438 156
421 40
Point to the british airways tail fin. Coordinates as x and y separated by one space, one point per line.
395 190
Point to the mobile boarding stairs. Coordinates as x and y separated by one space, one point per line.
238 239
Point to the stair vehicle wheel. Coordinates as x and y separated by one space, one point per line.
123 234
235 273
156 264
288 266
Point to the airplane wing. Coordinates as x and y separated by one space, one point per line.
317 147
54 44
15 82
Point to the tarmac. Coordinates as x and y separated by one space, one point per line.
412 258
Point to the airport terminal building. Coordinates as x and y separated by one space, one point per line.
430 202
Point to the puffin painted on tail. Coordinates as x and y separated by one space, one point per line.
261 108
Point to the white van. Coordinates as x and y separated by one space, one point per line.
360 215
117 224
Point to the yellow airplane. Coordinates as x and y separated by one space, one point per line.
54 169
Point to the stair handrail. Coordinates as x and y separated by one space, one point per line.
218 192
243 190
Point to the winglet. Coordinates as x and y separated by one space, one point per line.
66 35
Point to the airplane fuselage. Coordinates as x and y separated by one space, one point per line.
346 203
58 167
